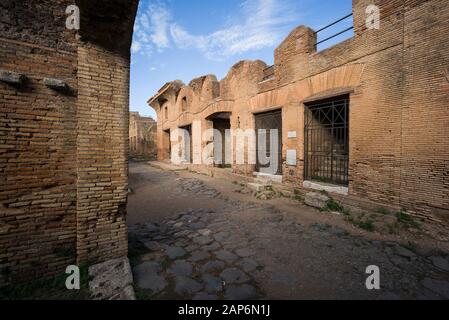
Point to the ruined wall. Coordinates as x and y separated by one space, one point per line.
102 153
142 136
63 154
396 78
37 143
425 112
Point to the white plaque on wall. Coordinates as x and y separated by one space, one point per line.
291 157
292 134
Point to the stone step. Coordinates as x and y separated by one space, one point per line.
257 187
267 179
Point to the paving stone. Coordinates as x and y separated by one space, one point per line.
205 232
399 261
193 235
212 284
403 252
181 234
204 296
181 243
199 256
181 268
191 247
175 252
203 240
153 256
234 275
151 227
226 256
248 265
178 225
242 292
188 218
244 252
147 276
196 226
440 263
213 266
211 247
154 245
186 286
221 236
440 287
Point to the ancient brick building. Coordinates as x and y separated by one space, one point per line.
142 136
367 118
63 134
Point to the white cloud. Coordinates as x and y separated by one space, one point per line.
258 24
151 29
159 19
136 47
262 24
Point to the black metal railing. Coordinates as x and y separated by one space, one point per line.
335 34
327 141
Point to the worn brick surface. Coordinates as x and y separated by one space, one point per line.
142 135
63 155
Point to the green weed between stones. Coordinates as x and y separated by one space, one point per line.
297 196
407 219
383 211
358 220
333 206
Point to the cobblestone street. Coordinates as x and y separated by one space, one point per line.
193 236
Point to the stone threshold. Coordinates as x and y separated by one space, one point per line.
112 280
326 187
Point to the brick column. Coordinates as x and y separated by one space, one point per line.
102 162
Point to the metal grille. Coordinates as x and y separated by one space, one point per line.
327 141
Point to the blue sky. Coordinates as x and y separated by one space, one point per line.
184 39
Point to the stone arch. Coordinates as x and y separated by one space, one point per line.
217 108
328 83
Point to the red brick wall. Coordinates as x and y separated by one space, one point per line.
37 163
63 156
425 111
102 154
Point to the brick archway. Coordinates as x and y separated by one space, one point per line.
64 100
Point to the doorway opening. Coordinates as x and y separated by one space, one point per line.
186 150
266 124
222 152
327 141
166 145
